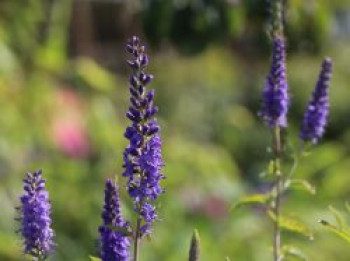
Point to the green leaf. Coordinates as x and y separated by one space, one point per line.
342 234
338 217
292 251
251 199
292 225
347 206
227 259
92 258
270 168
301 184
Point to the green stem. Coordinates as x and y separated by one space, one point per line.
277 199
295 165
137 235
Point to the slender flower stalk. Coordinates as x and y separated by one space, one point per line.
35 217
275 108
316 115
114 245
142 157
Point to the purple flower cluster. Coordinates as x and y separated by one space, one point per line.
142 157
35 217
275 93
114 245
316 115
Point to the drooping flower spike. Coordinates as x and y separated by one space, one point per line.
316 115
35 217
275 93
142 157
114 245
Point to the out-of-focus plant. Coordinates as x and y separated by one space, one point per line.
276 103
194 247
194 25
341 228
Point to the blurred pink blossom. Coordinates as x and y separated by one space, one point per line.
68 129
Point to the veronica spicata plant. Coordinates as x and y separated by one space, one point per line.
316 115
274 111
114 245
142 157
38 236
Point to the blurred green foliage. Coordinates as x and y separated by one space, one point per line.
66 115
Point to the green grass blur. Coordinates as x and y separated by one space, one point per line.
64 113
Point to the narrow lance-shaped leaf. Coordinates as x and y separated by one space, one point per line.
195 247
292 251
343 234
301 184
347 206
338 217
251 199
292 225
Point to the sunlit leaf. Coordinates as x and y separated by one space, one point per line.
338 217
293 225
92 258
301 184
347 206
270 168
292 251
343 234
253 199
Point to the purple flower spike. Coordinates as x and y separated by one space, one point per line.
316 115
114 246
142 158
275 93
35 217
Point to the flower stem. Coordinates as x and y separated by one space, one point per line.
277 200
137 237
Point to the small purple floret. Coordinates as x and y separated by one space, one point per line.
35 217
142 157
114 245
275 93
316 115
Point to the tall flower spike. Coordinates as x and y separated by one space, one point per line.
35 217
114 246
316 115
142 157
275 93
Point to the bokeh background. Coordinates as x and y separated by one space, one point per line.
64 93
